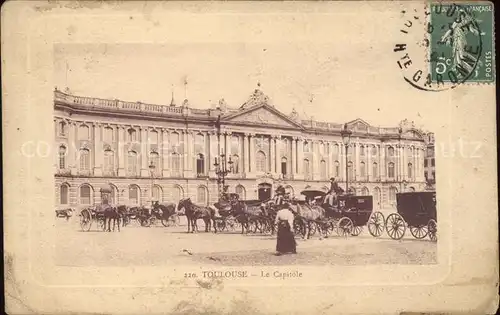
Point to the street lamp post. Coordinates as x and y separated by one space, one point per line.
152 168
222 168
346 139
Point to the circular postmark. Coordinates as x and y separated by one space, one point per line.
439 47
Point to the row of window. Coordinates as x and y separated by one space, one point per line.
109 136
261 164
86 191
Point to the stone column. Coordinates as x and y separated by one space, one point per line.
188 153
144 155
277 157
368 168
382 162
293 161
272 154
72 149
300 158
98 150
246 154
252 153
121 152
357 161
165 153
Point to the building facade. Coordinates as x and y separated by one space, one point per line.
167 152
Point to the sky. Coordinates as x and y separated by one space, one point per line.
329 81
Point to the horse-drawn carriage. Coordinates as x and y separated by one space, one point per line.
346 216
149 216
96 214
417 210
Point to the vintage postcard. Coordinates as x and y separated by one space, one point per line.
249 157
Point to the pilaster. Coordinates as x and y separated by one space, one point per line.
98 151
121 150
144 154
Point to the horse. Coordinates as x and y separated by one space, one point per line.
115 214
194 212
307 213
165 210
245 212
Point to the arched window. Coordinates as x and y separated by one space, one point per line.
412 189
362 169
132 163
62 157
175 141
132 135
199 143
322 170
153 136
85 194
390 151
336 149
390 170
261 162
236 164
113 198
157 193
235 144
201 195
337 169
108 135
84 160
62 129
240 190
392 194
307 170
306 147
375 170
154 159
176 164
84 132
410 170
374 151
365 191
362 150
284 166
350 170
321 148
134 194
109 161
64 194
200 165
177 193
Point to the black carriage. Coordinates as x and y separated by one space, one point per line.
417 211
348 214
96 213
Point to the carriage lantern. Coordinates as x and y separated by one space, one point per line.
346 139
222 168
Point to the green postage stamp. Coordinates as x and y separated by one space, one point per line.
461 42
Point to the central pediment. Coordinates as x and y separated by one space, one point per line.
262 115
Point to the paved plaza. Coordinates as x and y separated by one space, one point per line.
159 245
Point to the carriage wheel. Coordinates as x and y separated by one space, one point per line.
395 226
267 228
357 230
144 221
376 224
221 225
102 223
419 232
328 228
165 222
126 220
345 227
432 230
85 220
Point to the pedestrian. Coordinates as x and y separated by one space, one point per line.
285 242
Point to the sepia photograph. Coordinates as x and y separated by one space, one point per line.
190 157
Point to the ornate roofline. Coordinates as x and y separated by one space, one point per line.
257 100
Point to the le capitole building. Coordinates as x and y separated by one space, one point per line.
167 152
